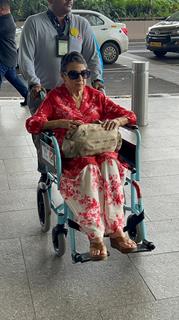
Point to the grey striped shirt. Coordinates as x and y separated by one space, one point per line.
37 55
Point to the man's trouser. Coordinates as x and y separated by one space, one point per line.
33 105
11 75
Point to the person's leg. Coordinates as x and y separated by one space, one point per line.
3 70
113 180
113 196
13 78
41 166
0 79
82 196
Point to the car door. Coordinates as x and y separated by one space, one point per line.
99 27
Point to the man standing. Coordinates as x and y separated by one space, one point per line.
45 38
8 50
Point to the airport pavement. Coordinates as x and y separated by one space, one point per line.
37 285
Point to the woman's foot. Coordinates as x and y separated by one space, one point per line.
98 250
123 243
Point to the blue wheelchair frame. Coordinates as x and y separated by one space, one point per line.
135 226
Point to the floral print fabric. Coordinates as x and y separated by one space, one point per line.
91 186
96 198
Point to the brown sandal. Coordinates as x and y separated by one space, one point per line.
123 244
98 251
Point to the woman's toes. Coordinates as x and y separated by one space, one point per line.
132 243
98 251
123 244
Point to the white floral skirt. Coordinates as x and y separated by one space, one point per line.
96 198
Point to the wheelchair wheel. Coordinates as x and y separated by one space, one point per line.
59 241
134 234
44 209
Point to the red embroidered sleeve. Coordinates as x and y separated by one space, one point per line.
112 110
35 123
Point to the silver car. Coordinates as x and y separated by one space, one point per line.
163 37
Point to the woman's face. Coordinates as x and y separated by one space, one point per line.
76 76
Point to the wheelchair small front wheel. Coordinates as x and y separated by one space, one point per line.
59 241
44 209
135 233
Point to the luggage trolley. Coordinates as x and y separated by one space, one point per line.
135 226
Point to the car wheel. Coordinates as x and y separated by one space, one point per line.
160 54
109 52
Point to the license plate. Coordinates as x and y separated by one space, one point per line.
156 44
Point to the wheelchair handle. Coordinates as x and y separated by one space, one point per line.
42 94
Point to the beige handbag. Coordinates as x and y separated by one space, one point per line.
89 140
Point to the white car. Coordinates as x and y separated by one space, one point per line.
18 35
111 36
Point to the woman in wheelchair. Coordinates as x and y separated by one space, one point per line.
92 186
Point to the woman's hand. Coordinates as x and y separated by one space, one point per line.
62 123
68 124
114 123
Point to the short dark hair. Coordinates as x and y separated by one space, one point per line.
4 3
73 56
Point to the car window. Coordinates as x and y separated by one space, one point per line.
93 19
174 17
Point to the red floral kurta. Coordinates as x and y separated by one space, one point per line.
60 105
91 186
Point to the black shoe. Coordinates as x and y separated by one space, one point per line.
43 178
24 103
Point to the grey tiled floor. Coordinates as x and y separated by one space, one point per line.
36 285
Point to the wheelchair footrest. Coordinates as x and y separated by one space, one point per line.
82 257
144 246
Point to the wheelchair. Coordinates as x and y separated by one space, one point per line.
129 154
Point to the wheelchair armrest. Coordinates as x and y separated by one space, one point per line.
48 132
129 149
46 136
127 154
130 126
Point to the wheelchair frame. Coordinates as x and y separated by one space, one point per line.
135 226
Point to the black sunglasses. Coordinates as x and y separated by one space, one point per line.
73 74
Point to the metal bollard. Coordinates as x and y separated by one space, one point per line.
140 84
